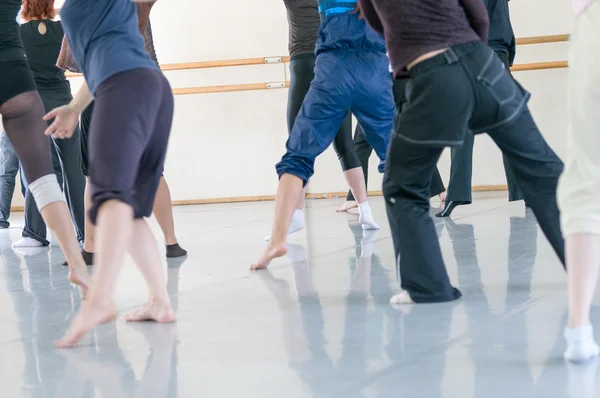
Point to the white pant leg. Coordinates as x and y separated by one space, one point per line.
579 186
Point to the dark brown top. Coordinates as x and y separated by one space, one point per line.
67 62
415 27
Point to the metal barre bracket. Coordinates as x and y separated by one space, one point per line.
276 85
273 60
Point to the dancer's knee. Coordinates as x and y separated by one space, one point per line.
45 191
300 167
349 160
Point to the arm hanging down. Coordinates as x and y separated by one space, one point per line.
66 117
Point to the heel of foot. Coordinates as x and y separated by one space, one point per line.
174 251
369 225
401 298
581 346
581 352
27 242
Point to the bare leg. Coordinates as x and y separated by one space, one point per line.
114 233
88 245
297 223
163 211
356 181
57 217
145 254
90 230
302 199
583 263
286 200
22 119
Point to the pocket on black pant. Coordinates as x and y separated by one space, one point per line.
498 81
501 97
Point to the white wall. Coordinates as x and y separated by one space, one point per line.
226 144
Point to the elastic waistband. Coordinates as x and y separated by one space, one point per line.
448 57
11 54
329 7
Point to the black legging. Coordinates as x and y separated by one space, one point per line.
301 75
22 119
363 149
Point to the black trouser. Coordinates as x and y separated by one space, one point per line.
66 160
85 122
461 169
301 74
464 88
363 149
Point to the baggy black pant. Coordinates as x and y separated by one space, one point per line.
461 170
465 88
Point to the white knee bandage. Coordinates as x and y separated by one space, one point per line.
45 191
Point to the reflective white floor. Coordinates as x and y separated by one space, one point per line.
318 324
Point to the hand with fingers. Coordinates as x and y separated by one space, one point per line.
64 124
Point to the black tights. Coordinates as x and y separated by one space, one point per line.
22 119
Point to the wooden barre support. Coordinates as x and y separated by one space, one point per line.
542 39
230 88
540 66
276 85
329 195
286 59
215 64
226 63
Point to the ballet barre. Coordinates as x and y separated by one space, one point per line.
275 85
286 59
542 39
284 84
230 88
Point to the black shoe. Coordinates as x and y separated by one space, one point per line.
449 208
4 224
87 257
174 251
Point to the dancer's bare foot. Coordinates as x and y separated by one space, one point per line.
154 311
273 251
347 205
81 278
92 314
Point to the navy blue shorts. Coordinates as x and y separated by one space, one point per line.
128 139
16 79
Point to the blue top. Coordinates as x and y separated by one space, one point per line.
331 7
105 38
342 30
